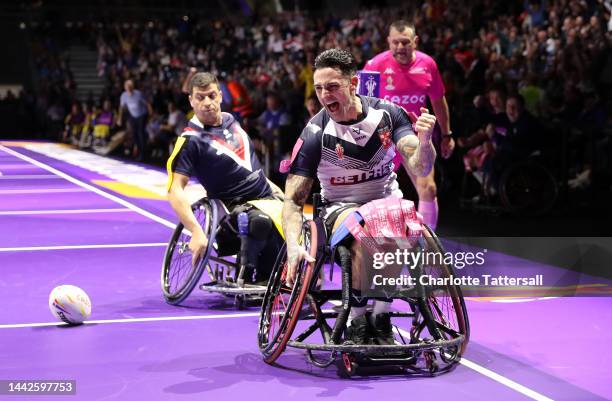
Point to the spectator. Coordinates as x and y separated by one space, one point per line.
137 110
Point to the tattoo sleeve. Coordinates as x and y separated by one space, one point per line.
297 189
418 157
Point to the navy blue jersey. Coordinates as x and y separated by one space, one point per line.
353 162
222 159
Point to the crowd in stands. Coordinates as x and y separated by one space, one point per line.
540 69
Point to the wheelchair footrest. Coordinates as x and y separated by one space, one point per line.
392 359
233 288
369 349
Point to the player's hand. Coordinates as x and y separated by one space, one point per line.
295 254
424 125
197 246
447 145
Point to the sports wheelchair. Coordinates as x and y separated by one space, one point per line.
431 328
526 187
225 270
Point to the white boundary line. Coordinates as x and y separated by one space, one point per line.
65 247
15 166
90 187
40 191
60 211
28 176
134 320
526 391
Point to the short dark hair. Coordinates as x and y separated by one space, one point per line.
401 25
339 59
202 80
520 100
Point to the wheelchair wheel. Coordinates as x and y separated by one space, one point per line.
528 188
281 304
179 277
443 309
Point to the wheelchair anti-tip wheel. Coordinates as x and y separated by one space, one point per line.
282 304
179 276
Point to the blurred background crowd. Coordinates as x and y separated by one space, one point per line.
544 67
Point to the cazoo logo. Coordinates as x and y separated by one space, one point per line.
406 99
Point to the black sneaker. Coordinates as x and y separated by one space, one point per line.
383 330
357 333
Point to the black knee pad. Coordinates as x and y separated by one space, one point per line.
260 225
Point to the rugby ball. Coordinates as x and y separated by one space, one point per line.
70 304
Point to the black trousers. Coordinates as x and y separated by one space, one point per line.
140 134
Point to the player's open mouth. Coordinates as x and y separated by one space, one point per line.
333 107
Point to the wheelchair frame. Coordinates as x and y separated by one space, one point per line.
520 190
226 275
412 353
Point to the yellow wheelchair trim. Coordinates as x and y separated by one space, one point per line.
274 209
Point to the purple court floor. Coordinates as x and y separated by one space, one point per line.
61 222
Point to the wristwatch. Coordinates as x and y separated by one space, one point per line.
450 134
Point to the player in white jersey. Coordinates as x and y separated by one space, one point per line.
349 146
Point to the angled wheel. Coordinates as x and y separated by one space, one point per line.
179 277
443 308
282 304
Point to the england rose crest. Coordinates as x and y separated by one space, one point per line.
385 138
339 151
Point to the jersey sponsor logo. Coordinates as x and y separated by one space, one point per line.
407 99
374 174
389 71
357 135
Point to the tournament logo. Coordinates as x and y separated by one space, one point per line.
339 151
385 138
371 85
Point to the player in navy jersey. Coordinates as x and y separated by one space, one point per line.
349 147
219 154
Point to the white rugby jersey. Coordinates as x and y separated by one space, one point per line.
353 162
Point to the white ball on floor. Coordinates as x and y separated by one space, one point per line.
70 304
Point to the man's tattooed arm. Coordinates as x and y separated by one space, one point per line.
297 189
417 151
418 157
